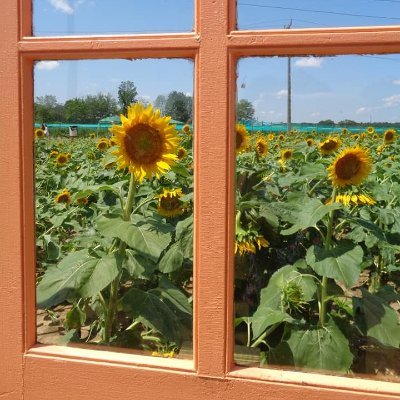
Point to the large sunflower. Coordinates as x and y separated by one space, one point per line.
169 203
389 136
330 145
242 138
350 167
62 159
261 147
146 142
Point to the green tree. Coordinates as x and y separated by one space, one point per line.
76 111
244 110
326 122
99 106
347 122
160 103
47 109
126 95
179 106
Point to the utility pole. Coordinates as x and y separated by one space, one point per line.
289 94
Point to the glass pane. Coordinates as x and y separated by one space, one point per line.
277 14
87 17
317 266
114 210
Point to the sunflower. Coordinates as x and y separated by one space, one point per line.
103 144
371 130
356 136
83 201
330 145
282 165
92 135
186 129
169 203
345 131
112 142
350 167
352 199
147 143
181 153
261 147
310 142
249 243
375 137
39 133
389 136
281 137
271 136
286 154
242 138
53 153
63 197
62 159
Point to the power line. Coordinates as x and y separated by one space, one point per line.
321 11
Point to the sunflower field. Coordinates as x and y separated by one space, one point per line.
114 234
317 267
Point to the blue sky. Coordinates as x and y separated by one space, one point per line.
361 88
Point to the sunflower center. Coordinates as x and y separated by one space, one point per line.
287 154
63 198
239 139
348 166
329 145
389 136
143 144
62 159
170 203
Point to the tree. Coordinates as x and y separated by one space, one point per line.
99 106
160 103
126 95
326 122
47 109
244 110
347 122
76 111
179 106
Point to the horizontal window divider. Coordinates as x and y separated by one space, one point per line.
342 383
110 356
152 46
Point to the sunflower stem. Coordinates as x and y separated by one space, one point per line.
324 283
113 300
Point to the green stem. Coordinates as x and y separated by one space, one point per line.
113 300
324 283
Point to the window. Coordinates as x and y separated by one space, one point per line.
215 47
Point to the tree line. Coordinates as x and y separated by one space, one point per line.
91 108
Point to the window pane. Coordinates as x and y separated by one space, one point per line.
275 14
85 17
317 215
114 211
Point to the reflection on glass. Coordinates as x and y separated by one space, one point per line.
114 212
317 267
85 17
274 14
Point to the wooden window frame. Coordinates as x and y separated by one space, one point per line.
41 372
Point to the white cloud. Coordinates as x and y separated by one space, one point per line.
62 5
309 62
281 93
362 110
392 101
47 65
315 114
396 82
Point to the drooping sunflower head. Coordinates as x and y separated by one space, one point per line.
62 159
63 197
370 130
242 138
310 142
147 143
103 144
330 145
286 154
39 133
53 153
389 136
82 201
181 153
246 244
169 203
350 167
261 147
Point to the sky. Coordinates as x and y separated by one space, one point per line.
361 88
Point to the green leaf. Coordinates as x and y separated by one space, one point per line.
75 318
184 234
97 188
144 239
308 214
265 317
149 309
377 319
269 216
322 349
172 259
342 262
138 266
78 274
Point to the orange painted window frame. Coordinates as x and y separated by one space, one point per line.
215 46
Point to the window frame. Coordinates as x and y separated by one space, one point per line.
35 371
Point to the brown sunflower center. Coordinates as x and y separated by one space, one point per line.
348 166
143 144
102 145
239 139
287 154
329 145
260 147
389 135
63 198
62 159
170 203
